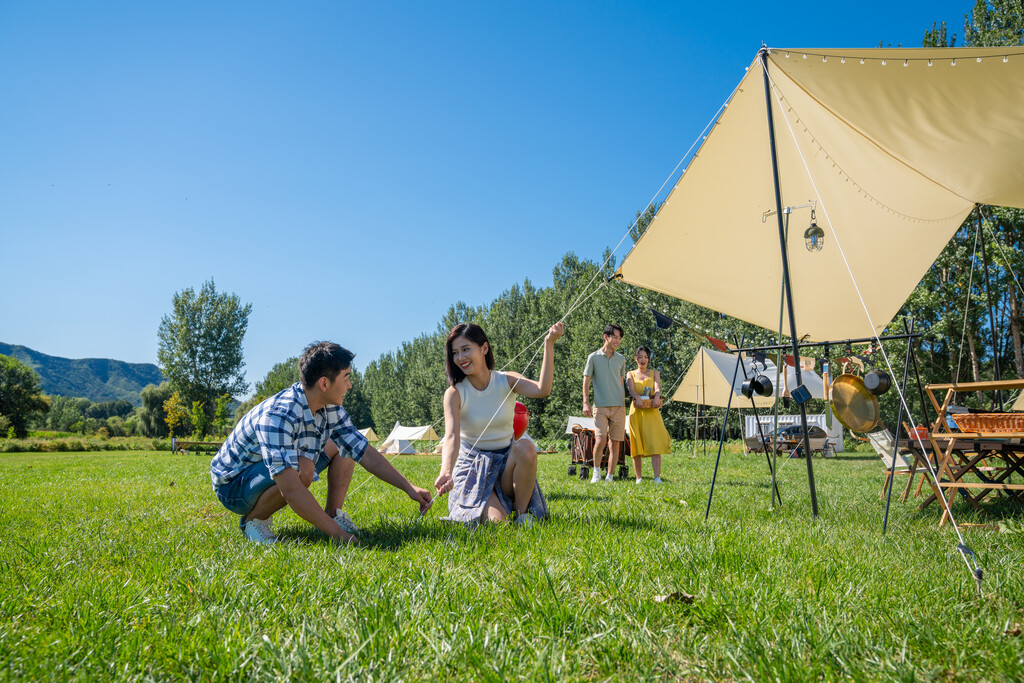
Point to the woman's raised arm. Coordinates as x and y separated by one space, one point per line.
539 389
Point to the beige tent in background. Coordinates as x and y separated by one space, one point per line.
1019 403
895 146
707 381
400 439
369 434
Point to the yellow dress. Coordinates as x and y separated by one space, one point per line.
647 433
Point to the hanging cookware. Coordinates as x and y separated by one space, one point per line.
877 382
828 399
853 404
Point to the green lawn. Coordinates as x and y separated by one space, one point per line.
124 566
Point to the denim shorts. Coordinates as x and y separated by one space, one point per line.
241 493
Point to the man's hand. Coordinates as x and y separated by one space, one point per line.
586 410
444 483
423 497
344 538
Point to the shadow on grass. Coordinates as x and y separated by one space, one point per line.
388 535
756 484
575 496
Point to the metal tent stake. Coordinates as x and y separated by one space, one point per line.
785 278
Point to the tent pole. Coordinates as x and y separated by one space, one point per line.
896 427
785 278
764 447
721 439
991 313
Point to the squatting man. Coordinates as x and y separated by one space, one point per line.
286 442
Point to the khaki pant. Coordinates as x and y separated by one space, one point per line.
610 422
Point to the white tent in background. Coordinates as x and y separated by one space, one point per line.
707 381
895 145
400 439
369 434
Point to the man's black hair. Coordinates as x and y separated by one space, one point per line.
612 328
323 359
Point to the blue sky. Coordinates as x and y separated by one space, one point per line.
349 169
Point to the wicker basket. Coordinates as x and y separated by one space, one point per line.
989 422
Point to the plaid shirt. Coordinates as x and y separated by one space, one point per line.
282 429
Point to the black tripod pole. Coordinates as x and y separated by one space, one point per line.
899 420
721 440
991 313
785 278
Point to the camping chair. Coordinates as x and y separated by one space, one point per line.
882 441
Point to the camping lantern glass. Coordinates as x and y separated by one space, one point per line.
814 237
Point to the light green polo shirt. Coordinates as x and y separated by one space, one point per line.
607 375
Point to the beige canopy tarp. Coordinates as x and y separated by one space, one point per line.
895 146
369 434
707 381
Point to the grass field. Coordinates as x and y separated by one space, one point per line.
124 566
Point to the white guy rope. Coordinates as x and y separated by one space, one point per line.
962 547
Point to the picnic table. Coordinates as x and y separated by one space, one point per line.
990 456
196 446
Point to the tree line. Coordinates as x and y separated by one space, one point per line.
967 308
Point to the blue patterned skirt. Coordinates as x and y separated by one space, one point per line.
477 473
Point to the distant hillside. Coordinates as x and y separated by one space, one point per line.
97 379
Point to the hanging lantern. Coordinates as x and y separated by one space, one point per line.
814 237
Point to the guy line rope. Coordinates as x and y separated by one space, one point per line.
583 297
964 550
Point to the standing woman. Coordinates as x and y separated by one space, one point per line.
647 434
490 476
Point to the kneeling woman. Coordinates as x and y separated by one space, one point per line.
490 476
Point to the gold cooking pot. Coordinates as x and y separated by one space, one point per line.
853 404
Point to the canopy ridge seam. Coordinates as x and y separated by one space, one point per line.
863 135
860 188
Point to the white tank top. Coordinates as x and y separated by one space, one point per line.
479 407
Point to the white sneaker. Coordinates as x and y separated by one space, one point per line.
525 519
657 480
259 531
597 476
346 523
609 477
639 479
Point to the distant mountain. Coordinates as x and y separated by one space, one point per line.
97 379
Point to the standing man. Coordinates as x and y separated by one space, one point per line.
276 451
608 370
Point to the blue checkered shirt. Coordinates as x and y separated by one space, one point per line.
282 429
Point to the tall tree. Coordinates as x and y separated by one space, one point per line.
200 348
280 377
20 395
151 415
